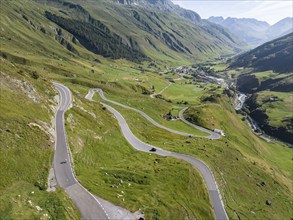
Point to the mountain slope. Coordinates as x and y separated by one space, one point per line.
36 51
269 79
249 30
160 30
281 28
276 55
27 108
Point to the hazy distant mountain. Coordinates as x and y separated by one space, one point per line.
216 20
283 27
252 31
249 30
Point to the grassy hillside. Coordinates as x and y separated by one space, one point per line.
276 55
268 75
160 35
236 158
27 109
143 181
97 38
27 147
278 110
30 60
35 51
273 111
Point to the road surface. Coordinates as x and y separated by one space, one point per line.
87 204
212 135
205 171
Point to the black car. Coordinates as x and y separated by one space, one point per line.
63 162
153 150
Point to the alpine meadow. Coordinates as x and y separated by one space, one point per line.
142 109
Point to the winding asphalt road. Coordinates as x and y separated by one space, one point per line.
212 135
88 205
205 171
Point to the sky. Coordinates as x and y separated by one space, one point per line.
265 10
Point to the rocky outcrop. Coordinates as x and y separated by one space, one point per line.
128 2
164 5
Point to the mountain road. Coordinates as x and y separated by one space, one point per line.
205 171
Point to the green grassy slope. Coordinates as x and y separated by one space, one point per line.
237 158
27 147
277 111
275 55
273 111
32 56
159 186
268 74
27 103
160 35
37 58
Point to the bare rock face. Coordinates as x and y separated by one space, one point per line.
165 5
128 2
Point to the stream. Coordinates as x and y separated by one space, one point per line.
240 99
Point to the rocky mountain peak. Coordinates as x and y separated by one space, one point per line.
146 2
216 19
166 6
128 2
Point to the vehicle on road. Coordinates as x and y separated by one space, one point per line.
63 162
153 149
